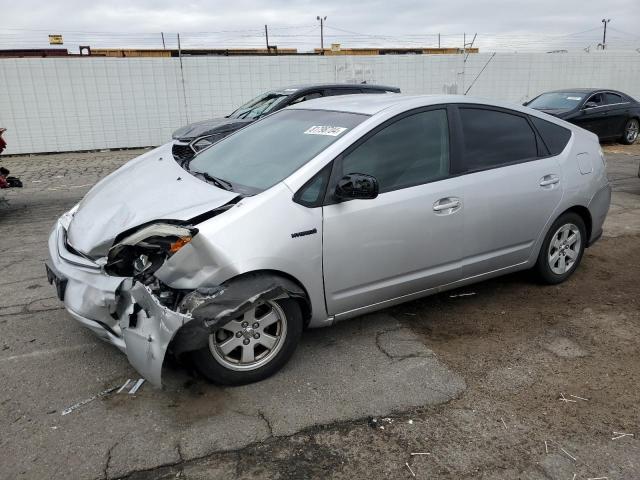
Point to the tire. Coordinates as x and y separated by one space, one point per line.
630 133
559 256
223 360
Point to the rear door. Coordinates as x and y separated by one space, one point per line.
406 240
511 187
617 112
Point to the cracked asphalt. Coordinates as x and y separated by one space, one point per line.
473 381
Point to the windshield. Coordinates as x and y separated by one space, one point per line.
266 152
557 101
260 105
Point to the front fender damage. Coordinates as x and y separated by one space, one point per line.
149 328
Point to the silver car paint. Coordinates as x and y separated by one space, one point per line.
151 187
256 233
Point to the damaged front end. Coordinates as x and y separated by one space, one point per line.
122 301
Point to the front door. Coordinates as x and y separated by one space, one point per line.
406 240
593 116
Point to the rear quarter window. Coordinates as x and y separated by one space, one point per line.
554 136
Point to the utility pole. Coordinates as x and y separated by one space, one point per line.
322 20
163 45
184 91
438 40
604 35
266 35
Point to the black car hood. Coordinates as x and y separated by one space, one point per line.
209 127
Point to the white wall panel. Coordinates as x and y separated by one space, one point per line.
64 104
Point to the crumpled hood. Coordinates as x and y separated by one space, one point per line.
150 187
208 127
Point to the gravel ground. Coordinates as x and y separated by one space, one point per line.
510 353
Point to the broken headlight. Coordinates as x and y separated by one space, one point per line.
142 252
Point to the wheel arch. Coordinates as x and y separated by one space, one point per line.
585 214
209 308
304 302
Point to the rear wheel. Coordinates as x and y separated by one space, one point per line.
631 129
253 346
562 249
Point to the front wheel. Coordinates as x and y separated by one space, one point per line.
253 346
562 249
630 134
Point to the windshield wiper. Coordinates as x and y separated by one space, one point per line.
218 182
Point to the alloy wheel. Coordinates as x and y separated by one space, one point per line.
564 249
252 340
631 133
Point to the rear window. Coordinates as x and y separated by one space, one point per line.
554 136
613 98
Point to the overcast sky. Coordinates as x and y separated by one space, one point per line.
511 25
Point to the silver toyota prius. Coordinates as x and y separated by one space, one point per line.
317 213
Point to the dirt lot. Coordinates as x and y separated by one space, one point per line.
518 346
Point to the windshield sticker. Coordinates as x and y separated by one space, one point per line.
574 98
325 130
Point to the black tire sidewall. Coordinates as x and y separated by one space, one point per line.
215 372
542 265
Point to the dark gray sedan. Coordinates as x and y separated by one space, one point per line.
197 136
610 114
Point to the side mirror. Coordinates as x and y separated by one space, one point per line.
357 186
590 105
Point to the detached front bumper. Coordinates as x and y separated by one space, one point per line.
120 311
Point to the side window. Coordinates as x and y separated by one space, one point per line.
410 151
611 98
308 96
493 139
554 136
597 98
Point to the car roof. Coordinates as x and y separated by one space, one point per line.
584 90
374 103
314 86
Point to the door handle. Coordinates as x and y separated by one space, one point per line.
446 205
548 180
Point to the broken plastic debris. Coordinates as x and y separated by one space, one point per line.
75 406
579 398
410 469
135 388
456 295
568 454
124 385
